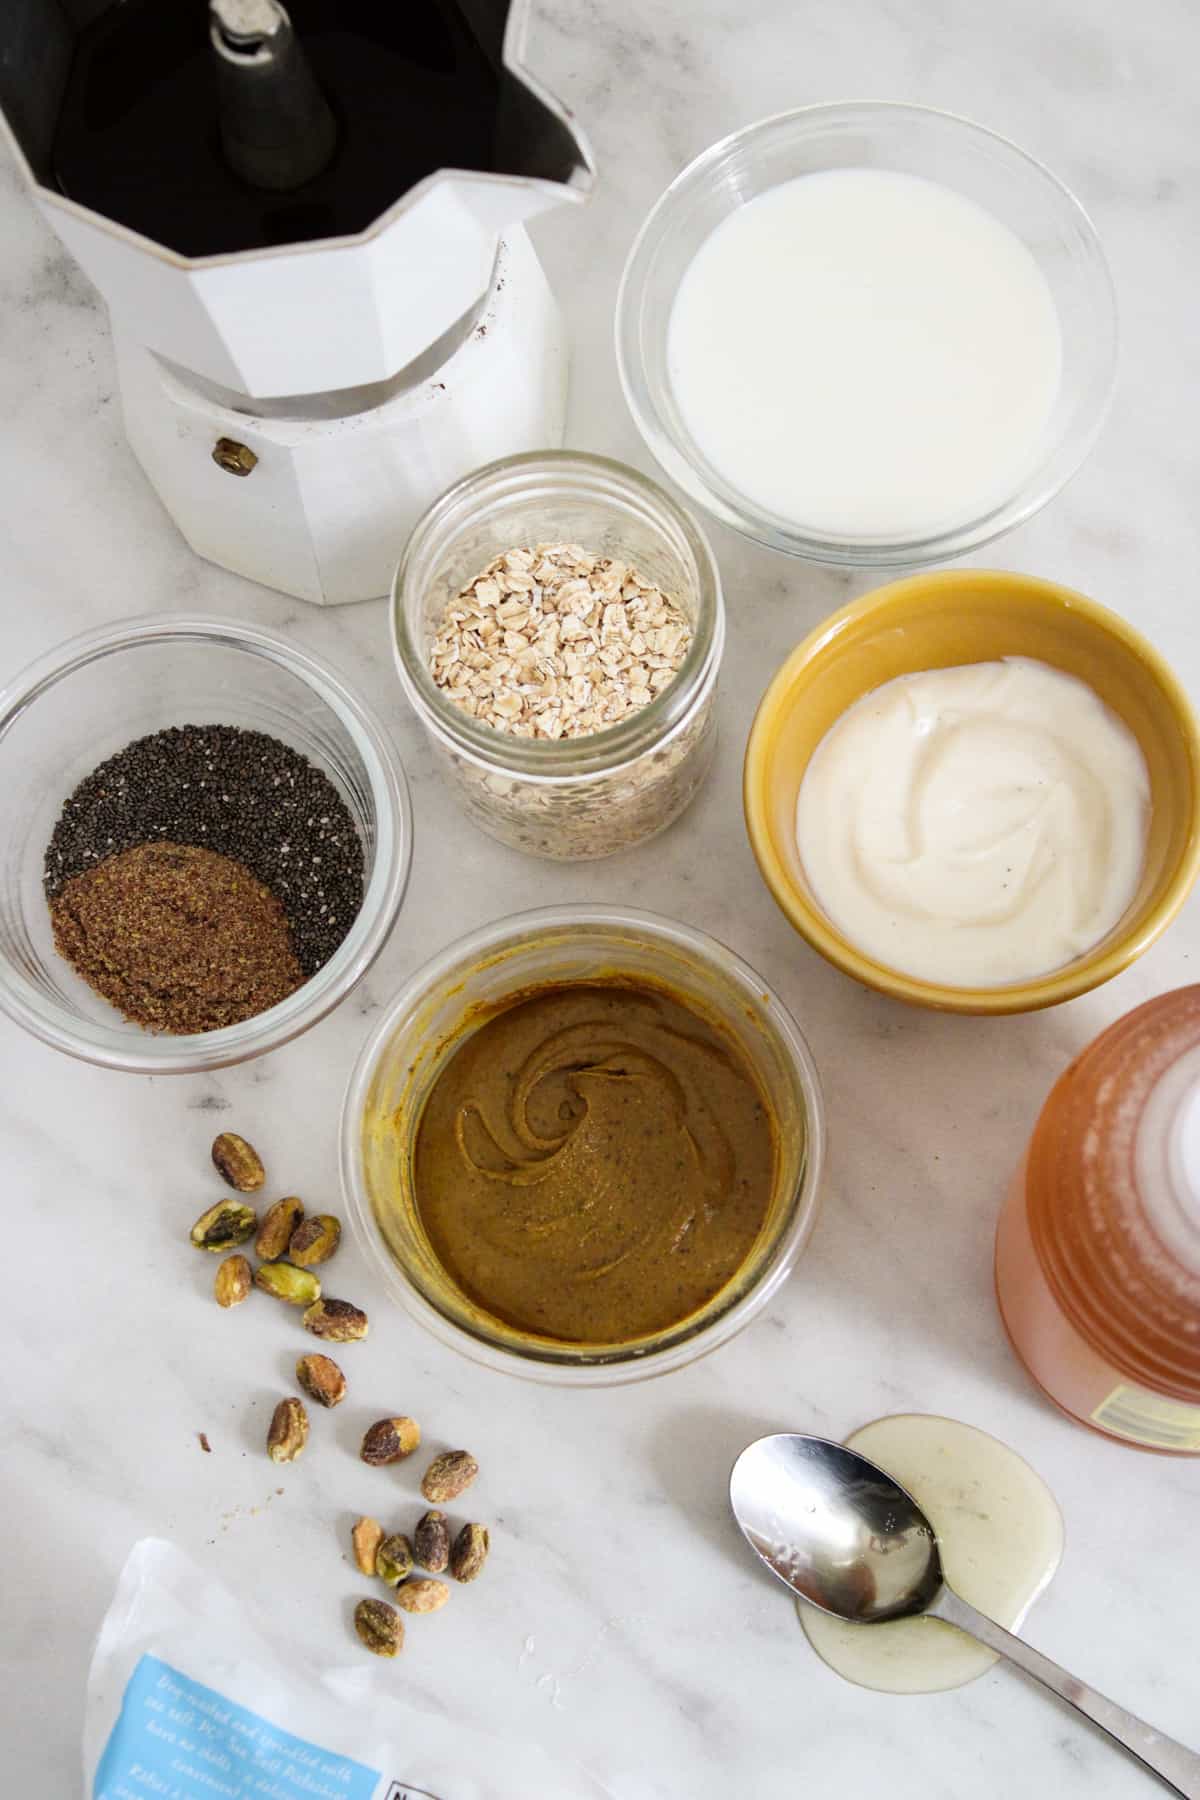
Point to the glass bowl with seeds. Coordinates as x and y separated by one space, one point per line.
559 626
206 841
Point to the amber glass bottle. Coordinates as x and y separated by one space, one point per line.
1098 1248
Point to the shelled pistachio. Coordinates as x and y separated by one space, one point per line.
469 1553
278 1224
422 1596
288 1431
379 1627
224 1226
336 1320
390 1441
233 1281
315 1240
298 1287
321 1379
366 1538
238 1162
449 1475
394 1559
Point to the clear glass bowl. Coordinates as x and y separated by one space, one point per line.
911 140
569 799
86 700
420 1030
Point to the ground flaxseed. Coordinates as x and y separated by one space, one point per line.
242 794
178 938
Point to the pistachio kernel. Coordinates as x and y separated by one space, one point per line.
379 1627
469 1553
223 1226
389 1441
278 1223
366 1538
288 1432
336 1320
321 1379
394 1559
422 1596
315 1240
238 1162
431 1542
299 1287
233 1281
449 1475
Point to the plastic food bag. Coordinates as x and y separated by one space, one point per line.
163 1724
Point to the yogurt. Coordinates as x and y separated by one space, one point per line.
1000 1535
977 825
866 354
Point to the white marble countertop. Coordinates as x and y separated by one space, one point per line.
621 1622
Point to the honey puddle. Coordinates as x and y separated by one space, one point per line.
1001 1539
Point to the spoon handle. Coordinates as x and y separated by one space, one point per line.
1175 1765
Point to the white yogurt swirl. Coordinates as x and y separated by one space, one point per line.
977 825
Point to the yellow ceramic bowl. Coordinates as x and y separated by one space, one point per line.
966 616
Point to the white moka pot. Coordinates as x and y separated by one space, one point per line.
298 407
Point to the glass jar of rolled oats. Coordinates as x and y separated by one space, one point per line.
558 627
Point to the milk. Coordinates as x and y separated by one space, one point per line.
865 354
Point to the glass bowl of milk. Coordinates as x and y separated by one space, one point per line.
868 334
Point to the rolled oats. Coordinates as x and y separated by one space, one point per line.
553 642
502 653
596 815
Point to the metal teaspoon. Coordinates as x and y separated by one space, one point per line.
846 1537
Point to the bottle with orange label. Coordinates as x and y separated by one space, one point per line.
1098 1247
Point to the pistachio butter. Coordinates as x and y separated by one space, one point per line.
594 1162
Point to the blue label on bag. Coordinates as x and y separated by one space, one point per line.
178 1740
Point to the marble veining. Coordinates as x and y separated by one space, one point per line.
621 1621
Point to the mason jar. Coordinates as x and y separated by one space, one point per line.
588 796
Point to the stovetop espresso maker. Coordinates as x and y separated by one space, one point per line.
307 225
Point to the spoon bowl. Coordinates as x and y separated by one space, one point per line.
841 1533
838 1530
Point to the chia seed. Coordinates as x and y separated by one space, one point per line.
240 793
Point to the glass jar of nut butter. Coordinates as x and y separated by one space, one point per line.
584 1145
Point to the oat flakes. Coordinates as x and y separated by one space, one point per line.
571 798
553 642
